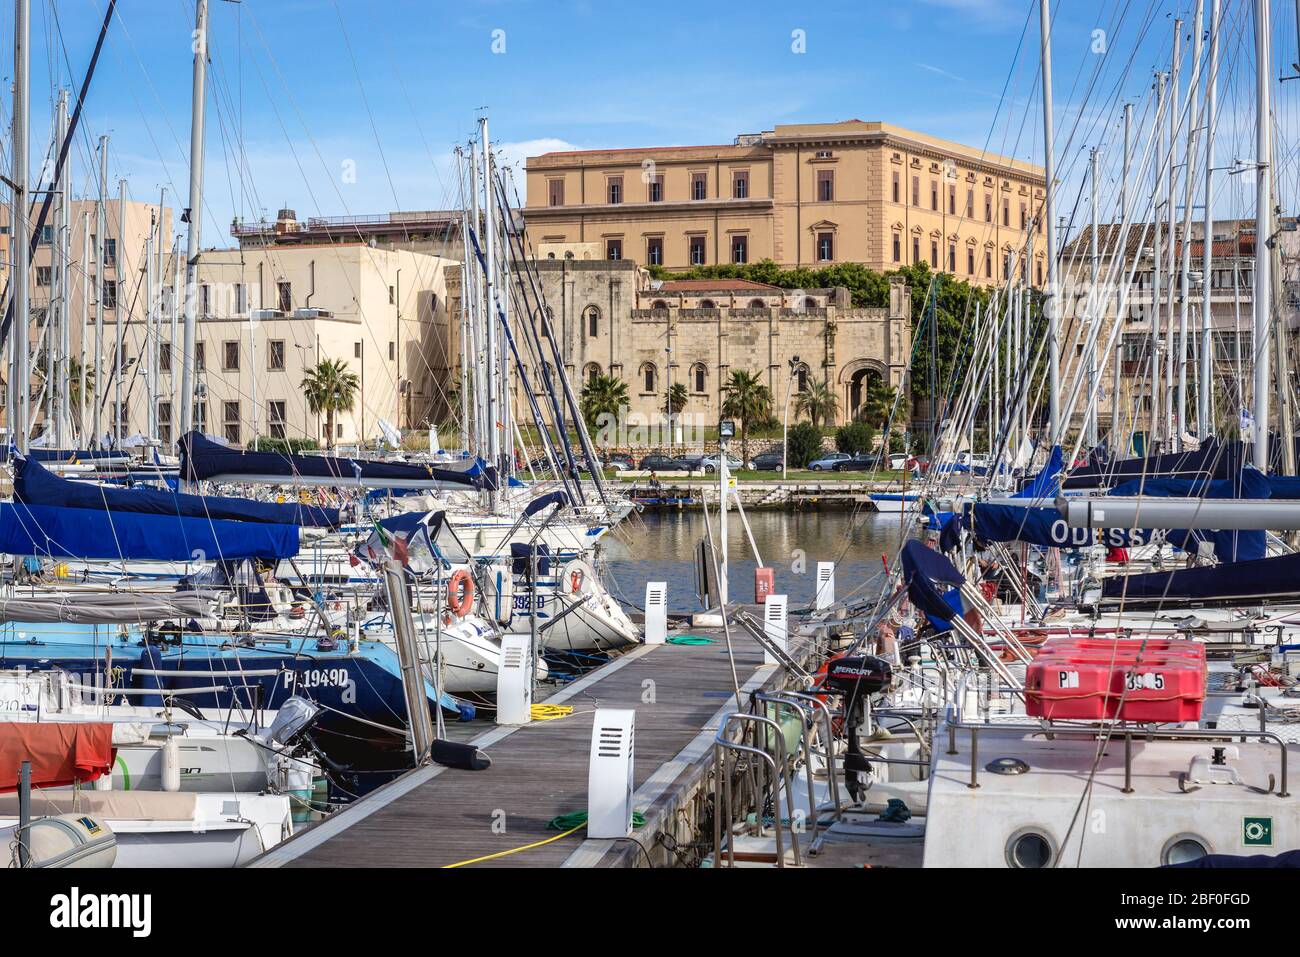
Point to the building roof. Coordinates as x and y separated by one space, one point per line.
717 285
1233 238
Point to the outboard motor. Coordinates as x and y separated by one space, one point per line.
855 680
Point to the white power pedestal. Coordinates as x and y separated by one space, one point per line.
825 585
609 776
515 680
656 613
776 625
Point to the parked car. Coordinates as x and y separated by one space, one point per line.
767 462
898 461
710 463
620 462
826 462
694 462
862 462
657 462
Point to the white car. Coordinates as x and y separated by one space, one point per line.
710 464
898 461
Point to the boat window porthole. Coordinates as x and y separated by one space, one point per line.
1030 849
1183 849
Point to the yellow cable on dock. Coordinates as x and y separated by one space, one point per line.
549 712
516 850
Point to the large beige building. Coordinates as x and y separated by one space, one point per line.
801 195
612 318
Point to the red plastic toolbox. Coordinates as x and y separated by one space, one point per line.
1088 683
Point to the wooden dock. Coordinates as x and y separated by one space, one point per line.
436 816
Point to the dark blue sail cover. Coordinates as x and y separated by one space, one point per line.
51 532
34 485
1264 578
75 455
1047 482
201 458
923 568
1212 460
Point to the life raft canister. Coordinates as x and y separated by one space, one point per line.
460 592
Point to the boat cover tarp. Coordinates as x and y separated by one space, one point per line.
35 485
1277 577
61 752
105 608
201 458
542 501
74 456
50 531
1284 486
1046 483
1211 460
923 568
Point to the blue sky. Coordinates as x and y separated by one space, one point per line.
300 88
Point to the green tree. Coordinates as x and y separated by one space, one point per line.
877 403
803 445
330 388
818 402
603 394
747 400
854 438
677 398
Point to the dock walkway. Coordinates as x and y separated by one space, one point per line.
436 816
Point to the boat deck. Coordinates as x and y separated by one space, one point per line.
436 816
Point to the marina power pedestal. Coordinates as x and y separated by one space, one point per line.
776 625
515 680
825 586
609 776
656 612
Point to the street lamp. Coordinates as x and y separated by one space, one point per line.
785 432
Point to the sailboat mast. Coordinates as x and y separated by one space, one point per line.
494 414
1119 340
194 215
97 382
1205 395
1053 345
58 381
1184 281
20 393
1263 219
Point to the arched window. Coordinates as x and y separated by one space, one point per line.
591 317
648 376
757 304
591 372
810 303
660 306
801 377
707 304
548 321
698 375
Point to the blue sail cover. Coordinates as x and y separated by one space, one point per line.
53 532
1265 578
75 455
201 458
1211 460
923 568
34 485
1047 482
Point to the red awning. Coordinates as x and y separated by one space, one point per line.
61 753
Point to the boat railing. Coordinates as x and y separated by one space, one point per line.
954 722
809 709
739 734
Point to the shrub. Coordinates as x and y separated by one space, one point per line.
854 438
266 443
803 445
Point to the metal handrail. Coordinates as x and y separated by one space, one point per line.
722 788
799 703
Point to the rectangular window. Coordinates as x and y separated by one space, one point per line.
392 351
740 184
970 204
740 249
42 275
898 247
1024 217
1006 212
200 356
654 250
697 250
241 299
165 422
988 265
615 190
916 250
356 350
392 296
896 187
230 356
952 200
275 419
952 257
284 295
555 189
916 191
988 207
825 185
110 252
230 421
934 195
934 254
47 235
205 300
970 262
614 249
275 355
201 416
825 247
164 357
699 185
109 295
655 188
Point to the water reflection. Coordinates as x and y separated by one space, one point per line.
659 546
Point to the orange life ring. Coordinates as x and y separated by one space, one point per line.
460 592
575 581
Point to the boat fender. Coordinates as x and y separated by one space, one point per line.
460 592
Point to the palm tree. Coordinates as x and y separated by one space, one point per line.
747 400
877 403
602 395
330 388
819 402
677 398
